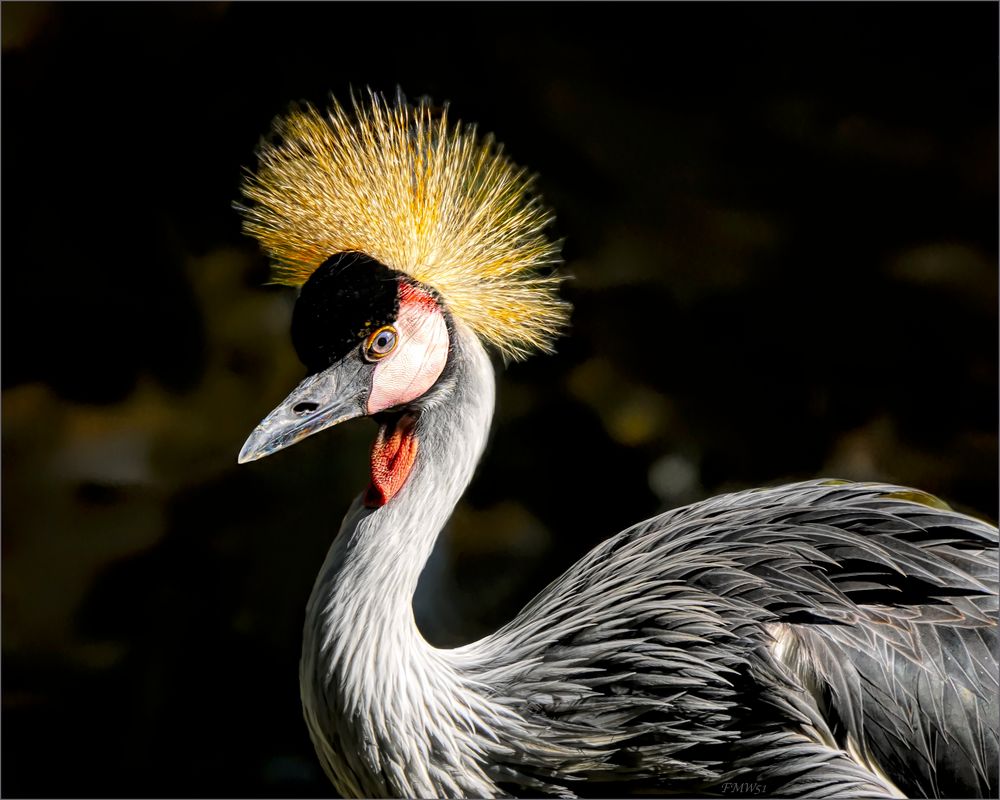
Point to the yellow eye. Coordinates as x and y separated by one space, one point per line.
381 343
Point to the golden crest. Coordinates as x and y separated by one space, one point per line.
400 184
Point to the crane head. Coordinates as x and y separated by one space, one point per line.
397 225
373 340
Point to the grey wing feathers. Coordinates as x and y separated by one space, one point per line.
822 639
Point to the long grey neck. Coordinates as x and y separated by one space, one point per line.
369 680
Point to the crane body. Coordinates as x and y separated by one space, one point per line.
820 639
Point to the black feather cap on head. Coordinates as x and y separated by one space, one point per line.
347 298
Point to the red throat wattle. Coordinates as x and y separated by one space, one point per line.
393 454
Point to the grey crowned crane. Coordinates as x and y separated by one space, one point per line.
823 639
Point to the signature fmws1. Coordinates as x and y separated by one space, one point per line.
745 788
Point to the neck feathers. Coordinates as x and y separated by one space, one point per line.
371 685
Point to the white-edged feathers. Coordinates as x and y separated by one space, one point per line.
397 182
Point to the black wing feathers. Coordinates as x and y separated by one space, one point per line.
759 638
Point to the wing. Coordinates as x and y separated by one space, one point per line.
821 639
910 684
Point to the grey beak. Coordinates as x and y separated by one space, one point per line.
319 402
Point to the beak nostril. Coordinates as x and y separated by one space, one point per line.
304 408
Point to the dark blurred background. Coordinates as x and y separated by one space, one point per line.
781 222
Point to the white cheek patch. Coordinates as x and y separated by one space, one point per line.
411 369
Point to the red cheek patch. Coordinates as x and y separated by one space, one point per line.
393 454
412 295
